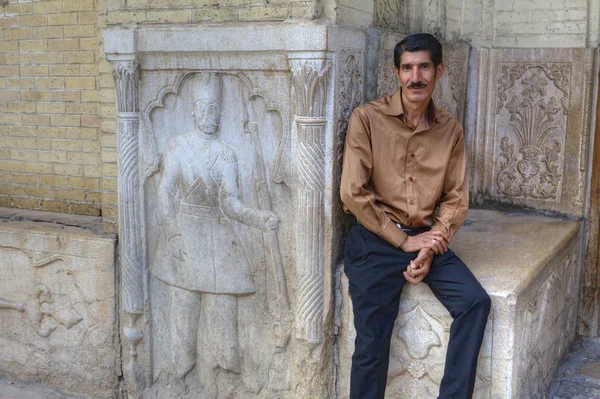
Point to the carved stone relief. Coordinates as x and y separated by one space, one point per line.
535 119
57 304
388 14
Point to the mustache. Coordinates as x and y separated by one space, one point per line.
416 85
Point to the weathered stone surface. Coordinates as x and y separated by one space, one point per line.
240 216
530 267
450 91
531 143
57 302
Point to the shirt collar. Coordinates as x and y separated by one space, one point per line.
395 107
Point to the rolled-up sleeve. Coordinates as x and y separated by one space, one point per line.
356 173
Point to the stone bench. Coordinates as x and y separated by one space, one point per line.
57 303
530 267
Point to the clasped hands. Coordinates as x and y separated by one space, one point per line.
426 244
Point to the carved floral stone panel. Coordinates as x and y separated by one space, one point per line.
535 133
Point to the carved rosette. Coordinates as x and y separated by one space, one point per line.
536 116
310 80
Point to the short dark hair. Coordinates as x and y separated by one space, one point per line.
419 42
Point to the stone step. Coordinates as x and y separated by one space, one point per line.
530 267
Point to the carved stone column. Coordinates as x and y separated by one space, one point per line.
310 81
126 72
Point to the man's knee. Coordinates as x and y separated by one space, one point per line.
481 300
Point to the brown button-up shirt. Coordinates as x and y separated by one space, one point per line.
393 173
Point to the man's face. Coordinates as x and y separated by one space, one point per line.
417 76
207 115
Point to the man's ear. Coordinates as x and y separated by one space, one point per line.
439 70
396 72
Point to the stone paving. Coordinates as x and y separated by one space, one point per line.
579 376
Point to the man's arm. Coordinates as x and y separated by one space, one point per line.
454 203
356 173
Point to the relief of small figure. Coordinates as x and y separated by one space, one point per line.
208 268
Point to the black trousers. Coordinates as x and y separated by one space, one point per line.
374 269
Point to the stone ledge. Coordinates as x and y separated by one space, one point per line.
529 265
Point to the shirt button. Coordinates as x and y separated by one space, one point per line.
411 179
412 202
412 155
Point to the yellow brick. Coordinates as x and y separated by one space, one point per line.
33 45
80 83
114 4
85 133
110 199
109 227
107 111
264 13
63 44
79 57
54 181
23 155
49 32
6 70
109 170
82 108
34 71
108 96
12 189
85 209
19 34
66 120
89 96
48 58
219 15
90 121
80 31
4 177
110 212
106 81
89 44
55 206
163 17
12 142
105 67
2 83
78 5
109 126
66 96
4 131
62 19
93 171
92 146
52 156
109 156
10 95
44 7
83 158
24 107
193 3
89 70
87 17
37 167
8 46
22 8
73 195
18 59
94 197
32 20
35 120
9 22
37 144
51 108
30 95
12 166
10 119
64 70
4 153
40 192
52 132
87 183
23 131
49 83
147 3
110 184
25 203
66 145
120 17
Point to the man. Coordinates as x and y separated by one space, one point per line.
403 158
207 268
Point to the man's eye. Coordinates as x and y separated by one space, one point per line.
406 68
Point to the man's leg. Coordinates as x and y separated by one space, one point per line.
374 269
469 305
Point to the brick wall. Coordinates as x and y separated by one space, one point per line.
51 143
